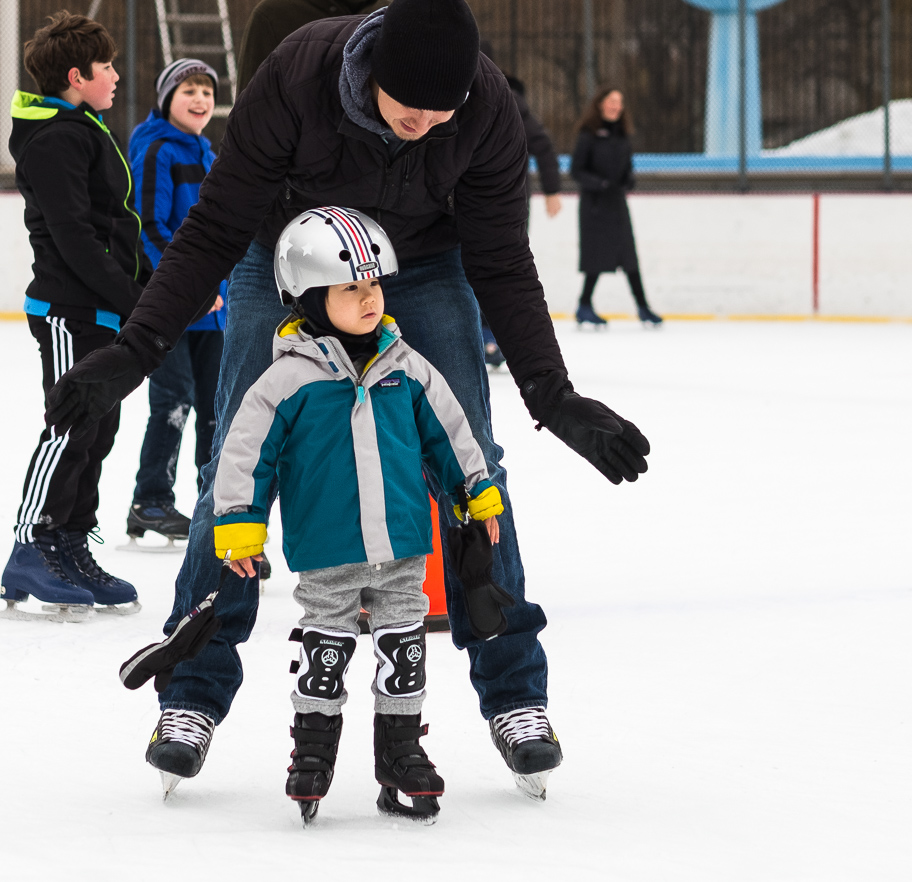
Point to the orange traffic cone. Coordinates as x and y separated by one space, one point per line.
437 618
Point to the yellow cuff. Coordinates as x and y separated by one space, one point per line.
242 540
483 506
486 505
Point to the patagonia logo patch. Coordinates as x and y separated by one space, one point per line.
365 267
388 382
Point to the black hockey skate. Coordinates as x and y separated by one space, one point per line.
163 519
179 745
401 764
529 747
115 595
313 761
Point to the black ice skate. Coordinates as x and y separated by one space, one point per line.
401 764
649 318
114 595
34 568
163 519
529 747
586 315
179 745
313 760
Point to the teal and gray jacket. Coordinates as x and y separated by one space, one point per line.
78 191
348 451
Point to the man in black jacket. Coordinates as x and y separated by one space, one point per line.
338 115
89 271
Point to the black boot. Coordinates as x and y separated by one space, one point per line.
313 760
401 764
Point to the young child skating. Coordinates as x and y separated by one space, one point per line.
89 272
347 417
170 156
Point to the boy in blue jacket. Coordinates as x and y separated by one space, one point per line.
346 420
170 157
89 272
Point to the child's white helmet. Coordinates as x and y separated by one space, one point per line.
330 246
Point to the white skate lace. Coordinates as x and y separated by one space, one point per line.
523 724
187 726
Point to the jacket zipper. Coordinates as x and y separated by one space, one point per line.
107 131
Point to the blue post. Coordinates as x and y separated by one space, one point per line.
724 84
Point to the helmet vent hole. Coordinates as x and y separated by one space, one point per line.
345 255
328 221
375 248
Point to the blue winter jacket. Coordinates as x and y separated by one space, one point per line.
348 451
168 166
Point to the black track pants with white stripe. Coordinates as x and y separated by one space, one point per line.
61 486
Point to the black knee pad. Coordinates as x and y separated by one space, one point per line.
325 657
400 654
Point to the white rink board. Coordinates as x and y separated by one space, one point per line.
703 254
735 255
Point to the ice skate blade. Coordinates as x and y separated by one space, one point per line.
423 810
170 548
120 609
169 784
534 786
309 809
53 612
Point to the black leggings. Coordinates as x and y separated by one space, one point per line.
633 279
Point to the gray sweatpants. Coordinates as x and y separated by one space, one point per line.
333 598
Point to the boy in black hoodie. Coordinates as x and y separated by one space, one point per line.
89 272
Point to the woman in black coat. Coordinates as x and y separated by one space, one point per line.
603 168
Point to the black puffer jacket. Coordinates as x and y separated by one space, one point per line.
289 147
78 194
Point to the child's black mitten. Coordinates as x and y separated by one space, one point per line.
485 600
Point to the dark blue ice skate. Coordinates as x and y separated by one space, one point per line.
34 569
587 315
81 568
648 317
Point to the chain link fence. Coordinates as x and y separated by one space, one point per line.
724 94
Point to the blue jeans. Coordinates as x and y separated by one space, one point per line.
186 378
437 312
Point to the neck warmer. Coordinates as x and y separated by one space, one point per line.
354 78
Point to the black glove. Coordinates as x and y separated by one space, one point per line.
615 446
159 660
470 553
89 389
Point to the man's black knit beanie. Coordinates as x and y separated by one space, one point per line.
426 53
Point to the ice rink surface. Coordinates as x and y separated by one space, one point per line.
728 640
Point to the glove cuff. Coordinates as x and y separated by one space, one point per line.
543 393
149 347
